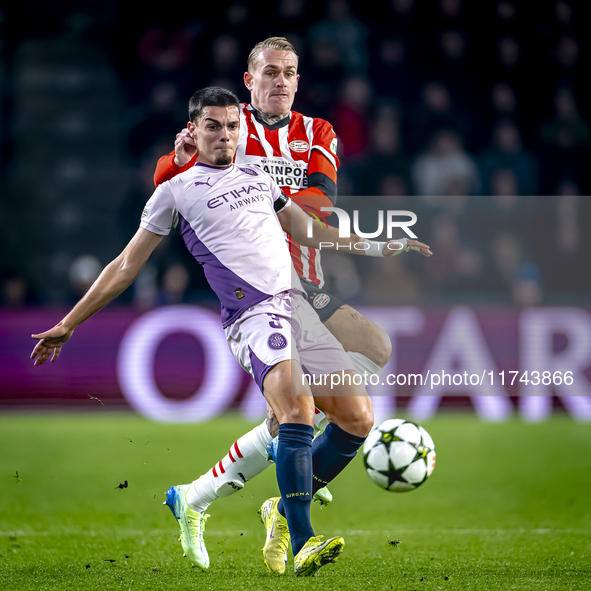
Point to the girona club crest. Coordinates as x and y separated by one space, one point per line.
277 341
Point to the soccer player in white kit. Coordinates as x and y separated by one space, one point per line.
300 154
231 220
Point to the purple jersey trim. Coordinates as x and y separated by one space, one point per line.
234 293
259 369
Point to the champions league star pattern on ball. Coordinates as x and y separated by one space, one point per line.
399 455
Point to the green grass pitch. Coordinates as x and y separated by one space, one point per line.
508 507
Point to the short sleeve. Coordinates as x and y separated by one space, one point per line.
280 199
160 213
325 141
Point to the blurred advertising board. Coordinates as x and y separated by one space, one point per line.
171 364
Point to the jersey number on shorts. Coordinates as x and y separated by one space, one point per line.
275 322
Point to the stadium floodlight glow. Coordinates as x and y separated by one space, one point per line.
135 365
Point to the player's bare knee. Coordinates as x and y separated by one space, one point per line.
357 420
362 423
358 426
295 409
367 421
299 413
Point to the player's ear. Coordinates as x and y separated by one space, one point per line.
192 129
248 80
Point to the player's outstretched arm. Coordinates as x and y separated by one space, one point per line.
295 222
117 276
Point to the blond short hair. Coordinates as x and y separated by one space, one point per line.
280 43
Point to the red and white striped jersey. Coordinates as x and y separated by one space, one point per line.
284 154
289 152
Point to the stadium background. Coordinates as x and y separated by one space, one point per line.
472 115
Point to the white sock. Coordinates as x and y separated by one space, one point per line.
365 366
247 458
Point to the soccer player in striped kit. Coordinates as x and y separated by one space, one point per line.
300 154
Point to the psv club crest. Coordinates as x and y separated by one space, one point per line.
299 146
321 301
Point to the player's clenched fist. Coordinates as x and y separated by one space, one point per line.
184 148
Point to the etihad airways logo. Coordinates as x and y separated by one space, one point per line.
239 197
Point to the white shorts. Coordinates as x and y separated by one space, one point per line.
280 328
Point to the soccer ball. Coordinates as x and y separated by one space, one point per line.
399 455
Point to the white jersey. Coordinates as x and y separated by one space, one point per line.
227 218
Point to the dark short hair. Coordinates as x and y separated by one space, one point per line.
212 96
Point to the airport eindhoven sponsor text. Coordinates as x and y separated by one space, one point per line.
285 173
532 355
